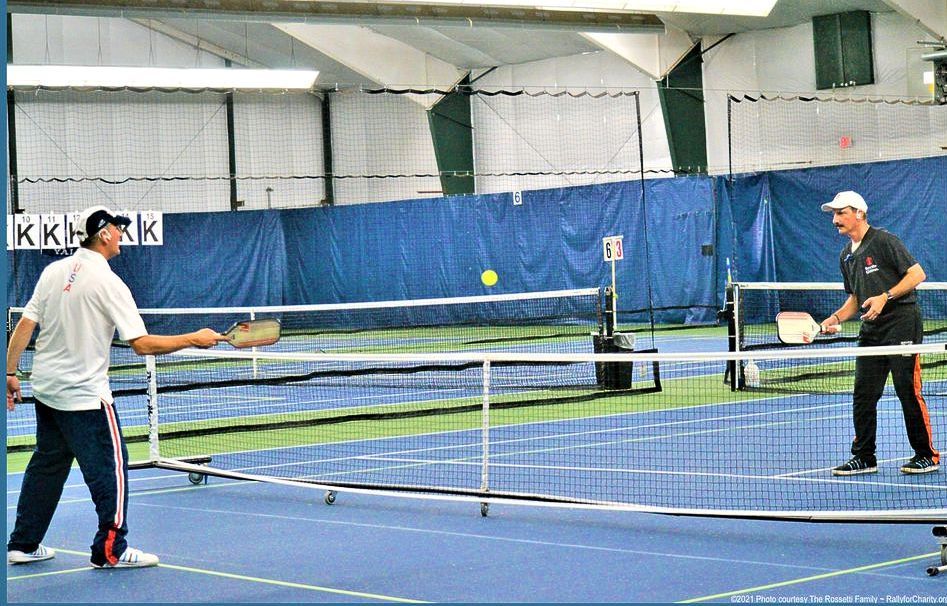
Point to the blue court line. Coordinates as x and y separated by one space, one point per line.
240 577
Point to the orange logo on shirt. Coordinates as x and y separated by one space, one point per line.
72 277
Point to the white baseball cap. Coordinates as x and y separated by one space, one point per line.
845 199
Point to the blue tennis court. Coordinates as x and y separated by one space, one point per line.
292 548
575 302
766 452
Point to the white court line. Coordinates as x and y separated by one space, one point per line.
824 469
156 491
420 463
633 413
657 472
163 476
483 537
463 460
516 440
285 402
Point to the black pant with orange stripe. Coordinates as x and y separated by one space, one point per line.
93 438
902 325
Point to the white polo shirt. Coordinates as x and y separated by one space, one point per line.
78 303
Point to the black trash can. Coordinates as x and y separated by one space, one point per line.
614 375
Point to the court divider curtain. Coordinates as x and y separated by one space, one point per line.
770 225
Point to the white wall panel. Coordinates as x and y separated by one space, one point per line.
593 71
71 40
783 61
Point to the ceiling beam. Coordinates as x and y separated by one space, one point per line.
198 43
366 13
379 58
653 55
930 15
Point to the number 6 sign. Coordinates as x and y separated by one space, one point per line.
612 248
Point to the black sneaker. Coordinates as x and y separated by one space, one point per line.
857 465
919 464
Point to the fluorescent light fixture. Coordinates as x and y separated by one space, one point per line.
749 8
158 77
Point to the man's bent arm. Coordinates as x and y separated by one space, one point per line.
846 311
912 277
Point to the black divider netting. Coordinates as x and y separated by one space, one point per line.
554 321
756 306
529 428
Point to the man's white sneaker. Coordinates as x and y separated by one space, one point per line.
132 558
38 555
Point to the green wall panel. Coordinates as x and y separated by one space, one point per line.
453 142
682 103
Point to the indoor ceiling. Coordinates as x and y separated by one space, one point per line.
250 39
785 13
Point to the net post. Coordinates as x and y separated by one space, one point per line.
727 313
734 339
609 311
253 349
152 376
614 296
485 467
599 320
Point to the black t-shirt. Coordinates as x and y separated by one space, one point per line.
878 264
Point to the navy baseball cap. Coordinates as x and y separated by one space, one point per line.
95 218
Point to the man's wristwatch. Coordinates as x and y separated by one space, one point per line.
888 294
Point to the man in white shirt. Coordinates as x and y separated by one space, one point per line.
78 303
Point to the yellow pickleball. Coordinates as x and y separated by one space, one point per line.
489 277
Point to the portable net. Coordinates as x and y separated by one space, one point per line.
542 428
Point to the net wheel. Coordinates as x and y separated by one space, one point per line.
196 478
484 509
330 497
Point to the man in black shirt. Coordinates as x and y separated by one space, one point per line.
880 276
